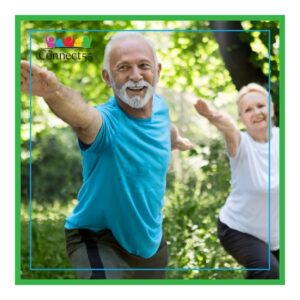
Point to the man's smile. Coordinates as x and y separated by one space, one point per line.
136 89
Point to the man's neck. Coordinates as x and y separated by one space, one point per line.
140 113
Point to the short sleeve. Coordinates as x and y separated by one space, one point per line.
241 148
105 134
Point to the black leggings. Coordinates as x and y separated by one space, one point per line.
250 252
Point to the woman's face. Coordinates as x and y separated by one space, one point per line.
254 111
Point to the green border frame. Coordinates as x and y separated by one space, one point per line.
18 20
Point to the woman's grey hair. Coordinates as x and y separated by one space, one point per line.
122 36
251 87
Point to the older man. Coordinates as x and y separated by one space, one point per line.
115 231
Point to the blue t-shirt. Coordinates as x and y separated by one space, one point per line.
124 178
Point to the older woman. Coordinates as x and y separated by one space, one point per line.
248 226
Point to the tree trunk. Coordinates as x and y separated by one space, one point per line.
236 54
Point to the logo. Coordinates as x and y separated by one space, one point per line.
67 48
69 42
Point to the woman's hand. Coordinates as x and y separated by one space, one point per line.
204 110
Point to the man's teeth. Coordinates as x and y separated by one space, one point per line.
136 88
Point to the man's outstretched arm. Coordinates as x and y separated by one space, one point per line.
66 103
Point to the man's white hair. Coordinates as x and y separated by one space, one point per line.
123 36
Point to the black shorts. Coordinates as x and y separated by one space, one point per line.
97 253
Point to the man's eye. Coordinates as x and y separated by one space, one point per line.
145 66
122 68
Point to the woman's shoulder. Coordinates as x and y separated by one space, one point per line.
275 130
275 135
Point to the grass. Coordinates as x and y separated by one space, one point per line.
190 245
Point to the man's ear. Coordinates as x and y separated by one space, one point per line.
158 71
106 77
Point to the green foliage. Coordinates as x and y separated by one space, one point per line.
191 212
192 63
195 191
265 54
56 167
48 242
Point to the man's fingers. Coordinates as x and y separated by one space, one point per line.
34 71
24 86
24 76
37 74
25 70
187 143
48 78
183 144
41 80
25 65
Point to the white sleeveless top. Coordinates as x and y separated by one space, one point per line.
249 207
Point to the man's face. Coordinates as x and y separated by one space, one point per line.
133 72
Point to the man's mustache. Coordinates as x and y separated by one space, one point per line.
139 84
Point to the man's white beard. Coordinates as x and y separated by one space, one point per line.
135 101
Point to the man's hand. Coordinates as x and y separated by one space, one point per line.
66 103
178 142
44 83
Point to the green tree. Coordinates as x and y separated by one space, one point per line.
196 63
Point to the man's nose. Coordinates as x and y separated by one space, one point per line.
136 74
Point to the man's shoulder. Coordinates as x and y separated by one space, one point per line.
159 98
159 103
109 107
109 110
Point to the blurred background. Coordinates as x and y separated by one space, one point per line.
211 60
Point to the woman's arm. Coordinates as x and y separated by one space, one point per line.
224 123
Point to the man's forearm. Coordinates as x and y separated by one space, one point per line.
66 103
174 135
70 106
